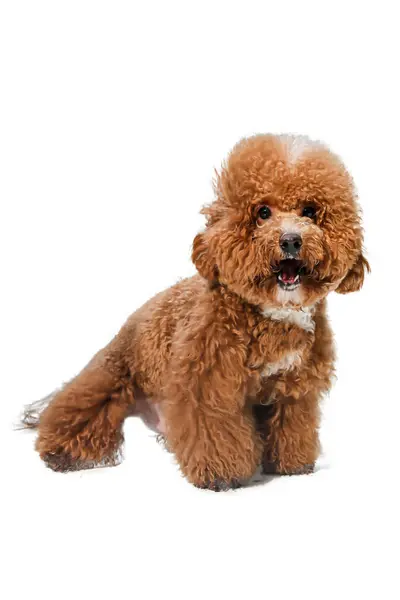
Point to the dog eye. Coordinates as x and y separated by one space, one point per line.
309 212
263 213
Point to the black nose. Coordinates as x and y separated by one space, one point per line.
290 243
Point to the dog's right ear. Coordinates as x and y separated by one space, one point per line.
202 259
355 277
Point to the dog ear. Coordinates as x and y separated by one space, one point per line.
354 279
202 259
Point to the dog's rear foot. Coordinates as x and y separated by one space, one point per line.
64 463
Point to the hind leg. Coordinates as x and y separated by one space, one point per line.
82 426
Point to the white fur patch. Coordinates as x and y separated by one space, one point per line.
288 362
303 317
297 145
293 225
285 297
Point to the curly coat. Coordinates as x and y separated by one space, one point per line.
229 365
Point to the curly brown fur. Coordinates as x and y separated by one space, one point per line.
229 365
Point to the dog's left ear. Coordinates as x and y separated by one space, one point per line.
354 279
202 259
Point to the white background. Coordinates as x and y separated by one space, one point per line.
113 117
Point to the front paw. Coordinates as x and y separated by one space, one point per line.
274 469
222 472
219 472
219 485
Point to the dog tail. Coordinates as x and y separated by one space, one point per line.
30 416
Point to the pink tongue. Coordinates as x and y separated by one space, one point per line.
288 274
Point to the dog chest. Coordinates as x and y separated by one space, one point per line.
303 318
287 363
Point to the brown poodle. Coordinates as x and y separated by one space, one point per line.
229 365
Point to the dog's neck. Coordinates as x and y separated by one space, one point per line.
301 316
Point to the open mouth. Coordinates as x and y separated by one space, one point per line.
288 273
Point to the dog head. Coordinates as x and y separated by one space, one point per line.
284 228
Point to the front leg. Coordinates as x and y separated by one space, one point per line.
208 425
292 442
214 451
291 428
